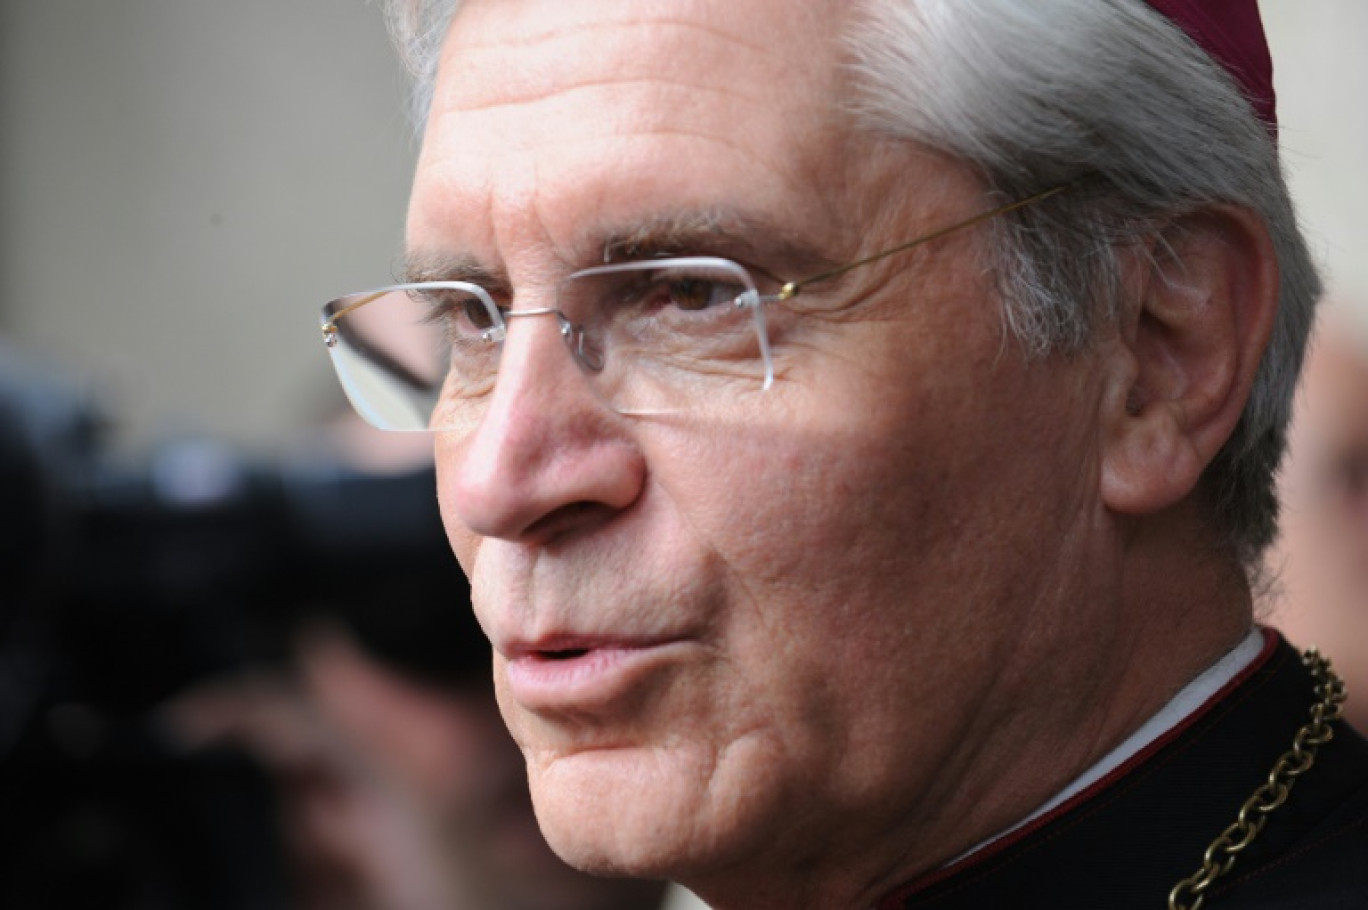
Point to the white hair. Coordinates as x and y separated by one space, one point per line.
418 28
1038 94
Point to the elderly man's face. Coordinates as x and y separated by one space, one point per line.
723 635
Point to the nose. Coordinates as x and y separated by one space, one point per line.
548 457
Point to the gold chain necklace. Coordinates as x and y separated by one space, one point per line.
1191 892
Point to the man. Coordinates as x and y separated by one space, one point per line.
828 569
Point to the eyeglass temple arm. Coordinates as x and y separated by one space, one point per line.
794 288
330 324
332 334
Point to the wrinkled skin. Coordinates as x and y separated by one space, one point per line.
813 640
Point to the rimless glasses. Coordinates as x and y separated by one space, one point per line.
655 336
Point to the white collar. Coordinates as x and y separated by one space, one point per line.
1188 700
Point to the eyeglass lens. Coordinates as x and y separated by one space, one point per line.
661 336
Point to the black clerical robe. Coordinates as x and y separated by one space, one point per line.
1128 839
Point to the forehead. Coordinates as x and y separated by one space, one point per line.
547 113
533 44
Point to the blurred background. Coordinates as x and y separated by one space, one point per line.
183 183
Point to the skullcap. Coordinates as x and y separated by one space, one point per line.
1232 34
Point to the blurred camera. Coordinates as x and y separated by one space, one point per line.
123 581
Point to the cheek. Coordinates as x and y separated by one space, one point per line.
798 529
814 506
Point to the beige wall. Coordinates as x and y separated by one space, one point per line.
183 182
1321 76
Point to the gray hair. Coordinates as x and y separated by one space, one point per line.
1038 94
418 28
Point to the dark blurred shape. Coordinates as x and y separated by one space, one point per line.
125 581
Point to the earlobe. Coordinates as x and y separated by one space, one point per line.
1204 295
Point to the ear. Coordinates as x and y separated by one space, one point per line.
1204 296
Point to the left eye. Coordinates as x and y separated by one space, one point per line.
695 293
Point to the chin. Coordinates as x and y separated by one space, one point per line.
599 817
641 814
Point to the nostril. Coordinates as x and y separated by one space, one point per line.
571 517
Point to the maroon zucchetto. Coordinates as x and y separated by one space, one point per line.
1233 34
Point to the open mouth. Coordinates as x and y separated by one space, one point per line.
565 654
583 675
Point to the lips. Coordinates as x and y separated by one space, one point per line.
575 674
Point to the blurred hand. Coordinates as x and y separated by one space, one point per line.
395 795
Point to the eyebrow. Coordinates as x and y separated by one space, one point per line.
756 241
422 266
759 243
